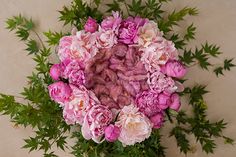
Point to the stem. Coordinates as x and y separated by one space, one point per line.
127 9
40 40
168 116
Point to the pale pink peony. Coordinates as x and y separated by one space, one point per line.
80 102
135 126
129 28
112 22
96 120
148 33
106 39
159 82
112 133
174 68
77 47
175 102
60 92
91 25
55 72
157 120
157 54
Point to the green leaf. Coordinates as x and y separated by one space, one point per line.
53 38
187 57
202 58
179 43
113 6
61 142
31 143
191 30
136 7
182 141
213 50
218 71
228 64
32 47
22 33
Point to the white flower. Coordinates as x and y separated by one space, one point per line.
135 126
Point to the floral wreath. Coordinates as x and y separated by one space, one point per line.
117 78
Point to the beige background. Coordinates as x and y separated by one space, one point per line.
216 23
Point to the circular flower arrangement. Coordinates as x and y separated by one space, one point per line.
117 78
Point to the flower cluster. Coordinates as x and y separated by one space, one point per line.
117 78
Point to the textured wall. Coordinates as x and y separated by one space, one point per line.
216 23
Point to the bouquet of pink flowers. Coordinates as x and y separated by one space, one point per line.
117 78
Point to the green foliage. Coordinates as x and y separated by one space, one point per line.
226 67
45 116
190 33
53 37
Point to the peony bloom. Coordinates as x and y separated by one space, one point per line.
174 69
129 28
74 72
60 92
135 126
64 48
157 54
157 120
91 25
175 102
112 133
148 33
160 83
164 100
112 22
55 72
148 103
80 102
96 120
106 39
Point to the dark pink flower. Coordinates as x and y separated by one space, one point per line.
91 25
148 103
174 69
112 133
55 72
175 102
157 120
129 28
60 92
112 22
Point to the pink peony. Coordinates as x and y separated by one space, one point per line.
60 92
157 120
55 72
135 126
112 22
174 69
175 102
112 133
164 101
95 122
159 82
91 25
80 102
74 71
148 103
106 39
129 28
64 48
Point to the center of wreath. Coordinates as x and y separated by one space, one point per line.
116 75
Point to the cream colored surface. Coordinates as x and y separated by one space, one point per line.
216 23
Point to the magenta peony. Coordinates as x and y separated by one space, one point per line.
60 92
112 22
55 72
175 102
112 133
174 69
129 28
157 120
91 25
